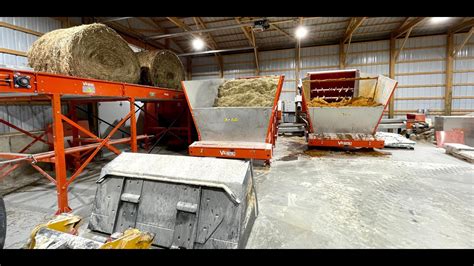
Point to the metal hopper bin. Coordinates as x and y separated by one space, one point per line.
345 126
230 132
186 202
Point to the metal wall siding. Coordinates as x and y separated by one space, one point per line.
40 24
464 61
28 117
287 53
412 67
369 57
415 42
319 50
373 57
426 59
427 53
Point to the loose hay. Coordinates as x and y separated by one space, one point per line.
257 92
357 101
161 68
89 51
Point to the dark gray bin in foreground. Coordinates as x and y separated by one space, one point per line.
187 202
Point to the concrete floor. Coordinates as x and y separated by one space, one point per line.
407 199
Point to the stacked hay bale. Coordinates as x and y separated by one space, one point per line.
255 92
161 68
89 51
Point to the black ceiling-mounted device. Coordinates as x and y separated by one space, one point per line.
260 25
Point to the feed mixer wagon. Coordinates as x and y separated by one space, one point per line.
343 108
243 132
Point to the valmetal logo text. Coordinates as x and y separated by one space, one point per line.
227 153
344 143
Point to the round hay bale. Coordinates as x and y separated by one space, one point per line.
161 68
89 51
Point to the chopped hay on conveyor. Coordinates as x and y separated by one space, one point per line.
89 51
161 68
357 101
255 92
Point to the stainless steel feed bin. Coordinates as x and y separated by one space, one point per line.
187 202
230 132
350 119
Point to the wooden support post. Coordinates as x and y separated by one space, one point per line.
342 56
221 65
133 126
59 156
297 63
391 107
189 67
448 93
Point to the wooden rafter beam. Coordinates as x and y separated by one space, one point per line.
178 22
135 38
249 34
397 53
407 27
220 62
354 24
462 25
255 51
246 32
466 39
209 35
157 26
283 32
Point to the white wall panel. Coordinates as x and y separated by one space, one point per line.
464 61
28 117
421 54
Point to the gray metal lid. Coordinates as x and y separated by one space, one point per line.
227 174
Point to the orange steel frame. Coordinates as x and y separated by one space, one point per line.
58 89
241 152
343 143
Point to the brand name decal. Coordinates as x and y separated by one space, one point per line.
344 143
227 153
88 87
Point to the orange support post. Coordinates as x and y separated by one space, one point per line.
60 157
133 126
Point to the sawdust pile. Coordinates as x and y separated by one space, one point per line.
161 68
357 101
89 51
256 92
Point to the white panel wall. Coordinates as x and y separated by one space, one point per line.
28 117
205 67
21 41
463 76
319 58
281 62
239 65
420 71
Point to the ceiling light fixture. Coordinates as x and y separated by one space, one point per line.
438 20
198 44
301 32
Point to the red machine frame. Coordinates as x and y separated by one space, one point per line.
257 152
58 89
